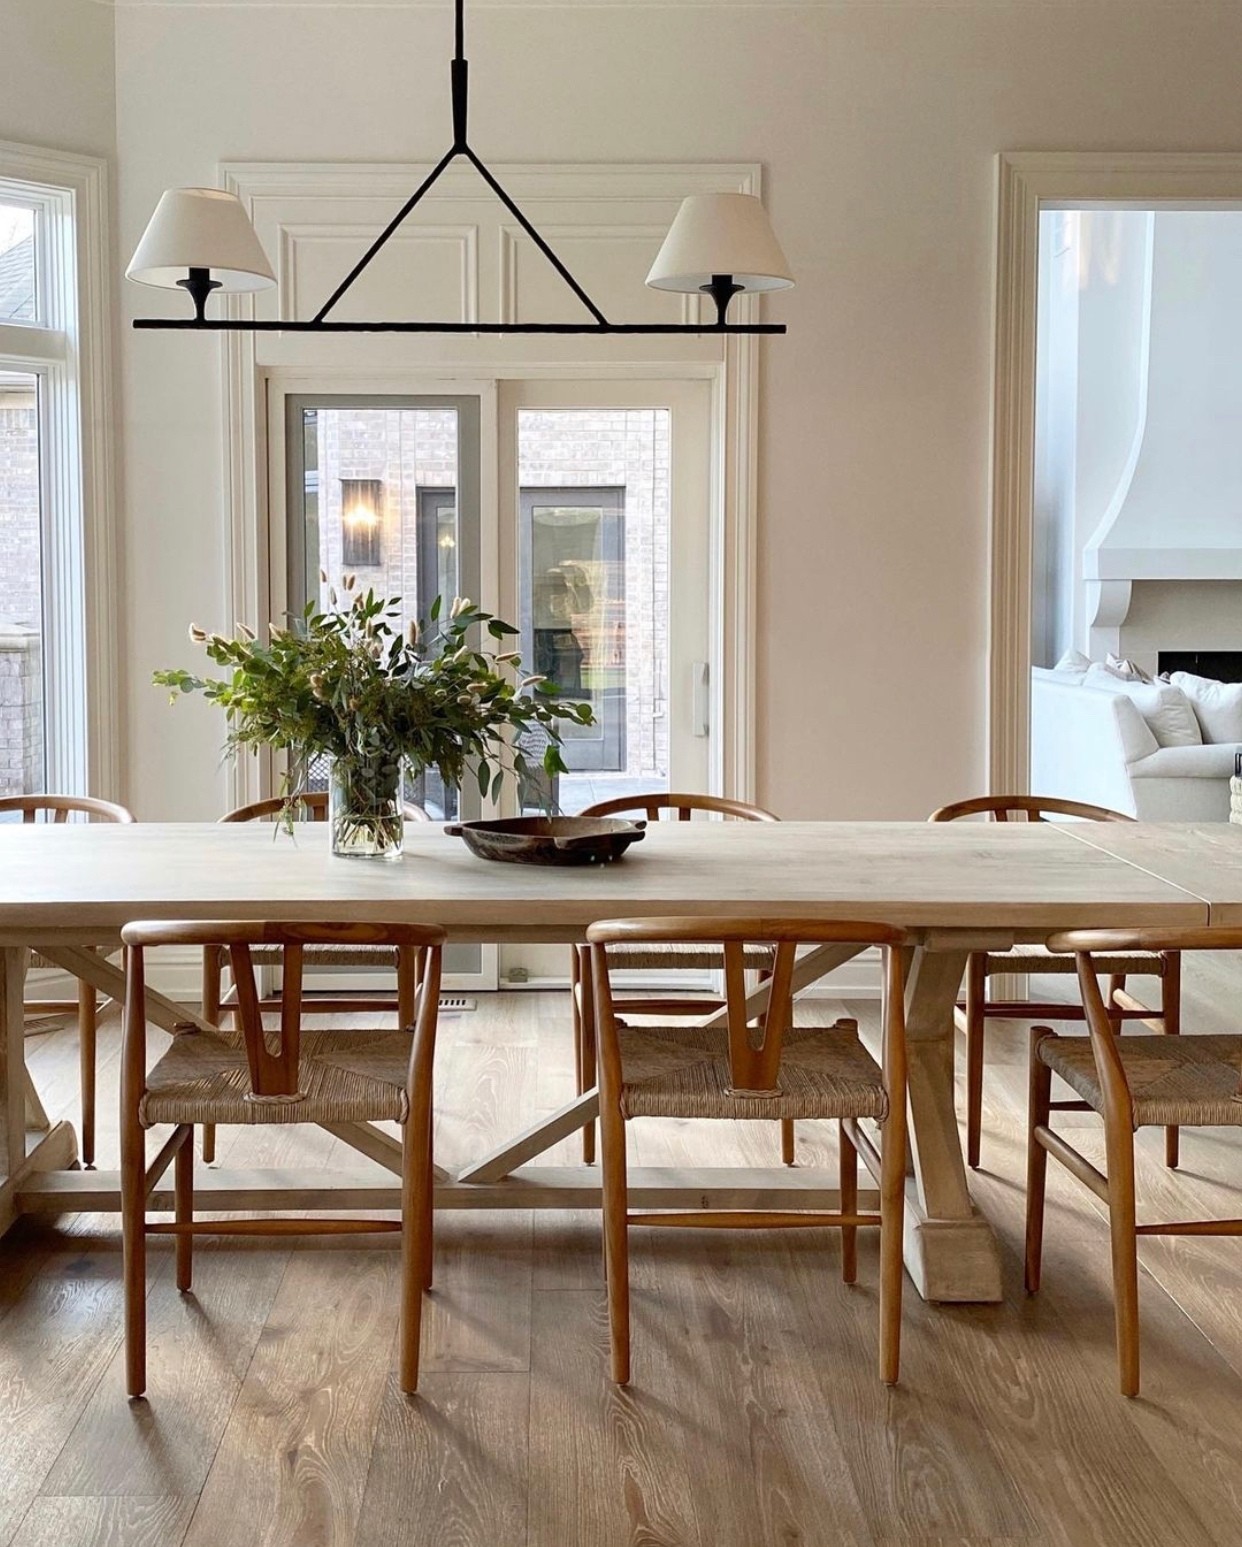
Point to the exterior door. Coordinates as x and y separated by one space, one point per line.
608 564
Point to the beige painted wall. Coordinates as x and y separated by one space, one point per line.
877 127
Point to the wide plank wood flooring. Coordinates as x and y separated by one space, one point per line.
755 1416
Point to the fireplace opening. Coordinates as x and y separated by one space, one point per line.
1220 665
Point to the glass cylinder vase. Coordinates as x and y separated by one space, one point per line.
365 810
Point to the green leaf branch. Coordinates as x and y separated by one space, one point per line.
376 697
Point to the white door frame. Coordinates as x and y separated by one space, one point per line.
1028 182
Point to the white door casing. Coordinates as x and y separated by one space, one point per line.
1028 182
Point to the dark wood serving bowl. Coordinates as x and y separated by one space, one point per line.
549 840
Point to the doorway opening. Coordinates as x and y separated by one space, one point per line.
1136 574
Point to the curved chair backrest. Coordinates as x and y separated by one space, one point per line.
275 1074
756 1040
1029 808
679 807
314 804
57 808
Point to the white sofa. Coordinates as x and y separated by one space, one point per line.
1095 746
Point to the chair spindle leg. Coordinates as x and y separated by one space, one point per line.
848 1172
183 1197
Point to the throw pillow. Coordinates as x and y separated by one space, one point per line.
1166 708
1217 705
1073 664
1127 670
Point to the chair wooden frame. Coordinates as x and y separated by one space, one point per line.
271 1075
976 1009
58 809
216 1004
755 1054
1116 1189
582 1009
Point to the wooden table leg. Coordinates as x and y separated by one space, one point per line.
12 1061
951 1252
58 1148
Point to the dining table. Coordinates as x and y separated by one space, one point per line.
67 890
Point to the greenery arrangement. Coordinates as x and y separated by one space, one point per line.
375 697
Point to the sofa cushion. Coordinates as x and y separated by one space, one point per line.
1165 708
1217 705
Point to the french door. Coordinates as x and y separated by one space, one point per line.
579 510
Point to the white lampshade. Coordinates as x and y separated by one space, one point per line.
200 228
720 233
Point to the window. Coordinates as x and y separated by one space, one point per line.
18 297
57 646
22 730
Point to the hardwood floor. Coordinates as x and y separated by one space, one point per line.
755 1416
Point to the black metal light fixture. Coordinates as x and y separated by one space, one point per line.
201 240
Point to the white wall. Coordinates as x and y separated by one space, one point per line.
57 78
1187 487
1181 615
1095 293
877 126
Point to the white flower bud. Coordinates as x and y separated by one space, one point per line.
460 603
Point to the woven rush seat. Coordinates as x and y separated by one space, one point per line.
345 1077
1038 958
1173 1080
652 956
679 1071
330 955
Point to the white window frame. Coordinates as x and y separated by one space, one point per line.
68 347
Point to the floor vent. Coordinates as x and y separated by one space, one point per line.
457 1002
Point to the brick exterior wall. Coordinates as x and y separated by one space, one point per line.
21 674
21 711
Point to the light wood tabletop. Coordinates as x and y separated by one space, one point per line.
919 875
1204 859
959 887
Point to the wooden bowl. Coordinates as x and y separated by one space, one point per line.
549 840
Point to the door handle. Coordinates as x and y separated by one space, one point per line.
700 709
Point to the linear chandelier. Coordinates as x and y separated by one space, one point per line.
201 240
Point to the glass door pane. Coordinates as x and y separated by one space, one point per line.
593 552
379 485
608 486
23 720
387 489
